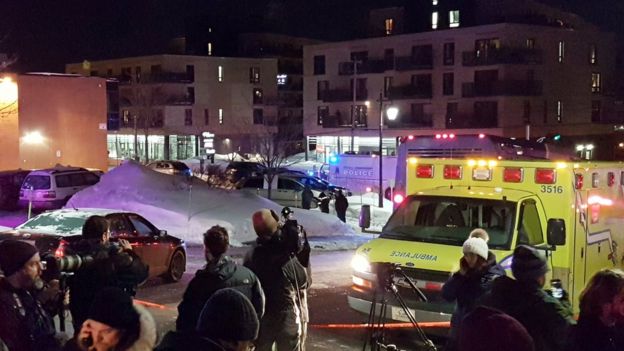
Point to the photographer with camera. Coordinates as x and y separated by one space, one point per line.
282 276
110 266
24 322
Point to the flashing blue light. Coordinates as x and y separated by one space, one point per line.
310 173
333 159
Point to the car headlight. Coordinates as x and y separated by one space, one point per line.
360 263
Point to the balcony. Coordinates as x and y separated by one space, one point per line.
411 63
503 56
178 100
340 120
294 101
289 68
341 95
503 88
423 120
471 121
291 87
409 91
368 66
157 77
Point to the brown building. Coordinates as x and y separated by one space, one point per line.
49 119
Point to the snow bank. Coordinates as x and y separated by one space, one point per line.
187 211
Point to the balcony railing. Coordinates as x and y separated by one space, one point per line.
471 121
424 120
158 77
291 87
410 63
343 120
513 56
503 88
341 95
180 100
409 92
368 66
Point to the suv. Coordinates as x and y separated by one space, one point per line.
52 188
171 167
10 183
241 169
288 192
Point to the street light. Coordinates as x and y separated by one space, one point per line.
391 113
33 138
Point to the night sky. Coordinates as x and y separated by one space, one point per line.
47 34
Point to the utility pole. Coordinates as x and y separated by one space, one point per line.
136 139
355 63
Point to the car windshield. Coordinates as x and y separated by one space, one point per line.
36 182
57 222
449 220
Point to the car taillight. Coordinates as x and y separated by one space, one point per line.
545 176
49 195
60 250
398 198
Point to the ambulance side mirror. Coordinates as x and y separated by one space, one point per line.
556 232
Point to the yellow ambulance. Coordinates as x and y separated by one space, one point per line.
574 211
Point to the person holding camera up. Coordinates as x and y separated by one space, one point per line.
24 323
283 277
112 266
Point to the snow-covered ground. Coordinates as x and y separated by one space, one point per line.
187 211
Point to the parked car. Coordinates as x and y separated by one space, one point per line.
240 169
171 167
285 191
54 232
315 183
10 184
52 188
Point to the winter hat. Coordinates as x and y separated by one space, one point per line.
510 334
479 233
14 254
113 307
94 227
476 246
228 315
265 222
528 263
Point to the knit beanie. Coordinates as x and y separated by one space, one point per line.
265 222
476 246
94 227
228 315
14 254
113 307
528 264
510 335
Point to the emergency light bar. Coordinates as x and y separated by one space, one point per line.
545 176
513 175
452 172
424 171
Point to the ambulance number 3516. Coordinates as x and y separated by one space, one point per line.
552 189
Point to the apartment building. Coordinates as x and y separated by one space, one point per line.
509 79
173 99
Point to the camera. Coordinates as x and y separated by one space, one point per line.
57 266
291 236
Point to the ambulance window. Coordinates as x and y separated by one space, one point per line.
530 227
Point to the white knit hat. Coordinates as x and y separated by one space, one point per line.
476 246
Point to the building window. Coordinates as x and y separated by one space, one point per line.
434 2
545 112
387 86
159 120
190 72
559 111
220 116
389 25
595 83
448 80
220 73
561 51
257 96
282 79
449 54
254 75
322 114
434 20
209 49
454 19
109 72
360 115
526 115
258 116
593 54
190 95
530 43
322 86
319 64
188 117
596 108
206 117
389 59
452 109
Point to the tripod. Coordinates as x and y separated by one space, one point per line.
376 334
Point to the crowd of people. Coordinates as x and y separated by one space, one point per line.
262 304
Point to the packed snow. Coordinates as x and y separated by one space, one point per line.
187 210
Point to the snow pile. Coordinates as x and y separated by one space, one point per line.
186 211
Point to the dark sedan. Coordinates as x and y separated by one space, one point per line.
55 231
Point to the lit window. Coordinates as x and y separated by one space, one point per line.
559 110
434 2
595 83
220 74
454 18
389 25
209 49
434 20
254 75
220 116
561 51
281 79
593 55
530 43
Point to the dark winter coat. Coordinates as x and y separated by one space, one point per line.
341 203
324 202
110 267
281 274
223 274
306 198
547 319
183 341
24 323
590 334
468 290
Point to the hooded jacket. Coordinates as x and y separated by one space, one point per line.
545 318
591 334
468 290
224 273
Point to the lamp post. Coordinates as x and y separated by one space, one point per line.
391 113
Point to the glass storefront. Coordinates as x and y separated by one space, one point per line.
326 145
122 147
